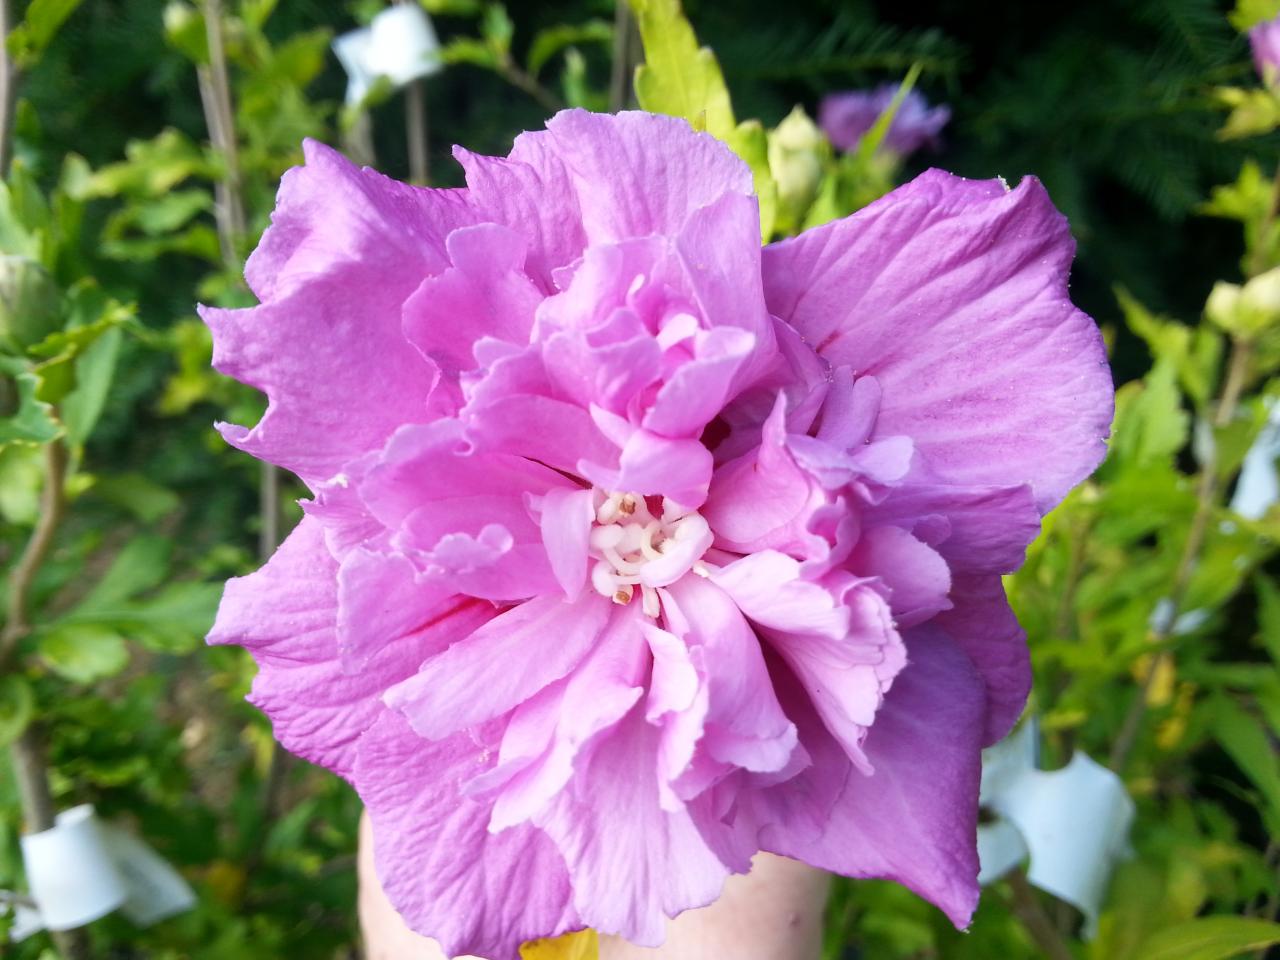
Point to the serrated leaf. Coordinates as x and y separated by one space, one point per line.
17 706
1210 938
678 77
1250 13
24 418
681 79
83 652
1150 424
749 141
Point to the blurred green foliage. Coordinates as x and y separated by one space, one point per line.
1152 607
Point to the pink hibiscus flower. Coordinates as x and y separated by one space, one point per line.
634 548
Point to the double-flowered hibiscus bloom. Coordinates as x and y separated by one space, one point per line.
633 548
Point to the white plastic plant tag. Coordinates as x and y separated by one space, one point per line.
1259 486
352 51
1004 762
1075 823
72 878
26 920
1000 849
403 46
154 889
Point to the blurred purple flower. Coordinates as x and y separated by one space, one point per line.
845 117
1265 41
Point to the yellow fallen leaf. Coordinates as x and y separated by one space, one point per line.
583 945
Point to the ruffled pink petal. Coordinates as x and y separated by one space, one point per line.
567 516
346 249
530 192
846 675
515 408
916 575
483 293
446 875
656 466
744 725
638 174
631 863
953 295
914 820
285 614
555 732
763 499
501 665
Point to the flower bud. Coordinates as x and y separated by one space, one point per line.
796 148
30 305
1246 311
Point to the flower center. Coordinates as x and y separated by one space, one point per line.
634 548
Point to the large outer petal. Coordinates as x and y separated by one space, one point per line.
639 173
915 819
953 294
474 892
345 250
286 615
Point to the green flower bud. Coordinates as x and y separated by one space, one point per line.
796 152
1246 311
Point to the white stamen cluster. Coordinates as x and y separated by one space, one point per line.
627 540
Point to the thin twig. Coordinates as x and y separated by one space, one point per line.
27 753
1206 500
620 74
8 90
1034 918
22 577
517 77
415 126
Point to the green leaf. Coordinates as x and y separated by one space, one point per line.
678 77
1210 938
141 564
17 706
497 29
95 368
749 141
43 18
1246 741
1250 13
24 418
1269 615
872 139
1254 112
83 652
1150 425
469 50
681 79
138 494
547 43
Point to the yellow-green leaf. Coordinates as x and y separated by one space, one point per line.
1210 938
